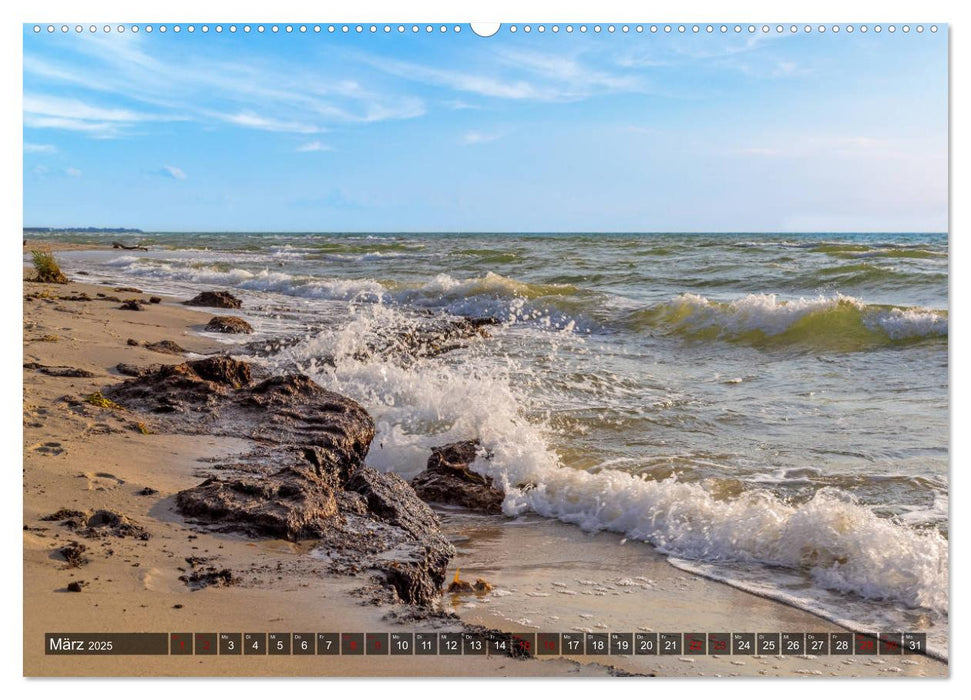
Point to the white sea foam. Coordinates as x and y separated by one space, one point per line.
486 295
901 324
838 543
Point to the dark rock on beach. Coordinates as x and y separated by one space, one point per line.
228 324
216 300
58 371
131 305
305 479
166 347
130 370
431 337
448 480
292 504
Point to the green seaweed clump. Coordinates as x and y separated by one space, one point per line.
102 401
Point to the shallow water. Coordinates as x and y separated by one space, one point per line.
765 408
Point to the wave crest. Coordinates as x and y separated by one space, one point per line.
836 323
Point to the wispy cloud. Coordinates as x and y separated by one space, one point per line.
172 172
313 147
477 137
267 94
519 75
256 121
47 112
39 148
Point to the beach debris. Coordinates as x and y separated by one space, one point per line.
132 290
458 585
58 371
122 246
228 324
448 480
64 515
482 586
47 296
218 300
202 574
99 524
131 305
140 428
73 554
147 491
48 271
76 586
132 342
101 401
108 523
166 347
154 300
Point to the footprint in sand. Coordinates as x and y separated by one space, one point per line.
102 481
98 429
50 449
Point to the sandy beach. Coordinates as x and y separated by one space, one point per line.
547 575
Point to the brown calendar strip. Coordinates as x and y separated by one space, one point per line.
473 644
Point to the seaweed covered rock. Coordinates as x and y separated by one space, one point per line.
216 300
448 480
228 324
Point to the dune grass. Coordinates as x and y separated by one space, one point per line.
48 270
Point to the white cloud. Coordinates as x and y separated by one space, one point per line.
39 148
72 172
47 112
255 121
476 137
521 75
173 172
313 147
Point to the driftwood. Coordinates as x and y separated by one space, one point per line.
116 244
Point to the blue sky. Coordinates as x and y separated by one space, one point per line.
516 132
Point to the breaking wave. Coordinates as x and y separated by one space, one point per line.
836 323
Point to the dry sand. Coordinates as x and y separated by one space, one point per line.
82 457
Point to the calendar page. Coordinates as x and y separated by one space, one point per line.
515 349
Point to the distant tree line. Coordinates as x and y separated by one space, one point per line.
85 229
